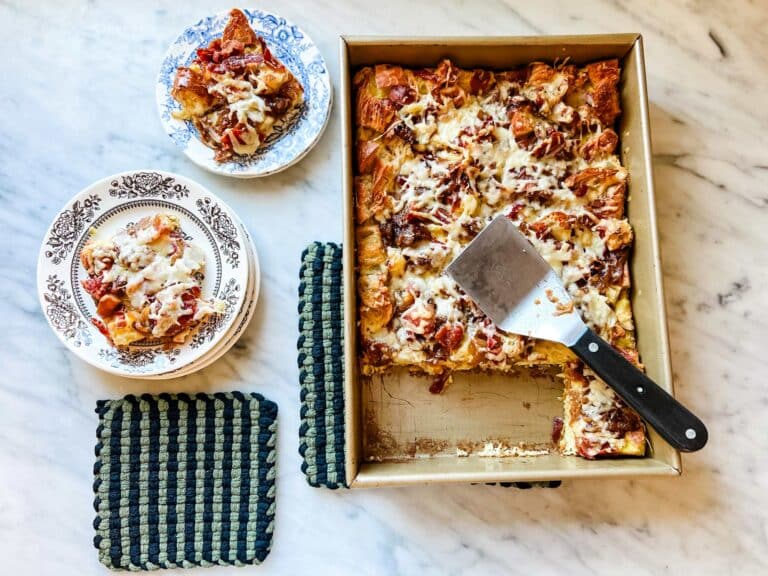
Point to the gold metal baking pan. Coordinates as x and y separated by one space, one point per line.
397 433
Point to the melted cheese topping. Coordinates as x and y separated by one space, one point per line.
499 166
461 166
245 104
154 272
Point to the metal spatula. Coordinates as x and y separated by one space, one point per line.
516 288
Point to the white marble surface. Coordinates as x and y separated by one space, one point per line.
78 104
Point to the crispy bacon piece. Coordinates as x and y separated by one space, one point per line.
481 81
419 319
404 230
404 133
218 51
95 287
514 212
446 78
621 420
450 336
519 76
447 73
205 55
590 449
427 74
238 63
277 104
191 294
376 353
611 270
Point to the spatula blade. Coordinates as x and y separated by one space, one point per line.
514 286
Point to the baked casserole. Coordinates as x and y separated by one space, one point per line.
439 153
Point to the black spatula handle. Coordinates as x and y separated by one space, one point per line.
673 421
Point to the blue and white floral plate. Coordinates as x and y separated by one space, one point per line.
291 45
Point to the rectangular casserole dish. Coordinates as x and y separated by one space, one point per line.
397 433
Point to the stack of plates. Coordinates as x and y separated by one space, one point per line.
231 273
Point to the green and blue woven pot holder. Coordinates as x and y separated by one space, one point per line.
184 480
321 368
321 365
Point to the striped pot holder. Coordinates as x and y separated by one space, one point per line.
321 366
321 369
184 480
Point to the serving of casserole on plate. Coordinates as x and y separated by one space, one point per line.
235 92
147 274
444 135
244 93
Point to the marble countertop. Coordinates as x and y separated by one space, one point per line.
78 104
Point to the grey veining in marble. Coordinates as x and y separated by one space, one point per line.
77 102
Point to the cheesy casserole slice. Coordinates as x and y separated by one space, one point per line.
146 281
439 153
235 91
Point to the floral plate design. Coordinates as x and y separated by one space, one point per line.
291 141
107 206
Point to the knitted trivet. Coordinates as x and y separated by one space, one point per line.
321 365
321 368
184 480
